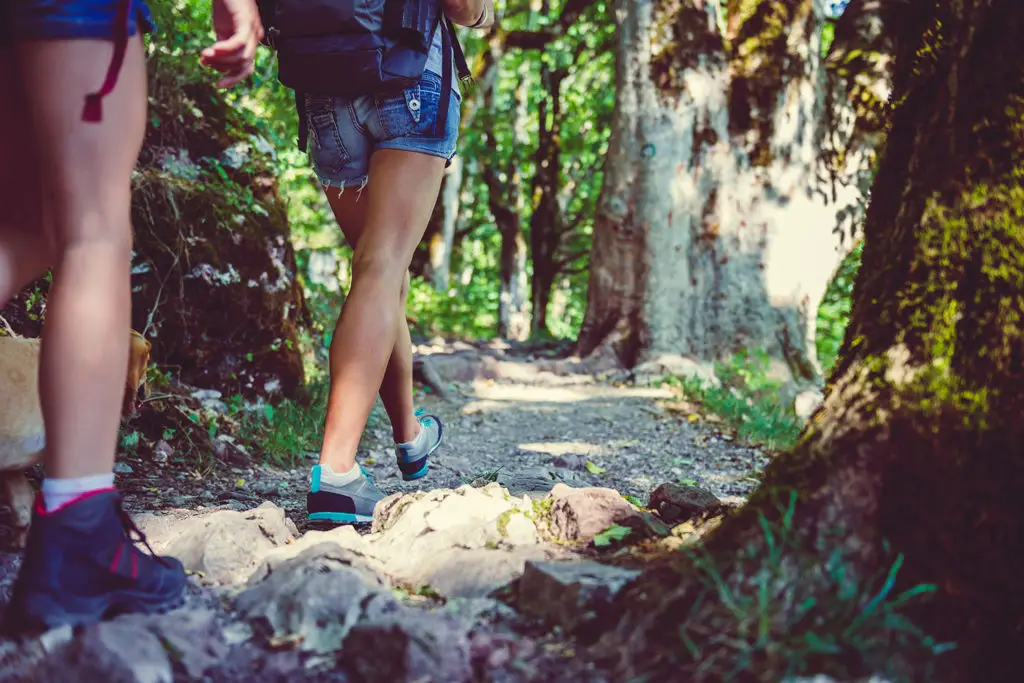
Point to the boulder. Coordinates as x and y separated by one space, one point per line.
570 594
577 515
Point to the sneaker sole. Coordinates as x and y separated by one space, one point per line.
422 472
340 517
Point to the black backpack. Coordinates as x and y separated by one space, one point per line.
349 48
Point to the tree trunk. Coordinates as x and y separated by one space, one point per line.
442 242
713 231
546 222
505 202
920 442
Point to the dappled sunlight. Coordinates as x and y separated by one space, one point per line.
556 448
521 393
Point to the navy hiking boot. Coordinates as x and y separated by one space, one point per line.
82 564
413 457
349 503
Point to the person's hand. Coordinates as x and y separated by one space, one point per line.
238 28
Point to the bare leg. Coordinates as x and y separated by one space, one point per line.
396 387
87 167
367 331
25 250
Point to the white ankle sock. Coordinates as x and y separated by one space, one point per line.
57 492
329 476
418 441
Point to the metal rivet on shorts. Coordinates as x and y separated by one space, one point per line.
414 105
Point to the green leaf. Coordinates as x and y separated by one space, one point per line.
594 469
613 533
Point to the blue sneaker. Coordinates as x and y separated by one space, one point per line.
82 564
350 503
413 457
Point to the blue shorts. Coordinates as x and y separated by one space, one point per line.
67 19
344 133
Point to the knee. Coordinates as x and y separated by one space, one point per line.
379 269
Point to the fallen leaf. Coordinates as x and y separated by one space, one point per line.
594 469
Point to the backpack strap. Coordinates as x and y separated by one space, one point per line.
440 123
465 75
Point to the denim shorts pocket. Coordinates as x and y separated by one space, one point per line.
414 111
326 148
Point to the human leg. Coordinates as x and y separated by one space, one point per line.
396 386
25 248
367 330
80 560
397 188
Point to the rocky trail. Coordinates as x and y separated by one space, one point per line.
495 567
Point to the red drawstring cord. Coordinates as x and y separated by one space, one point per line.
93 110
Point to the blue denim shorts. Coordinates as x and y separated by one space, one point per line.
344 133
68 19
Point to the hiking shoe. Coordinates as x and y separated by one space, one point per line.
82 564
350 503
413 457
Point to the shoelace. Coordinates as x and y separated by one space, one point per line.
138 537
368 474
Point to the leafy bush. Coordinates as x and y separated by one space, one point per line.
834 310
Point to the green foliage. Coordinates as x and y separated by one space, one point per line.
612 534
834 310
747 400
769 626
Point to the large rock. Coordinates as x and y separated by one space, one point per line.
408 646
214 273
677 503
112 651
581 514
570 594
313 599
226 546
462 543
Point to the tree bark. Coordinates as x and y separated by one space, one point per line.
505 203
546 224
920 442
713 226
441 243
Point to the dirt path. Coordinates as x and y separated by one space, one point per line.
523 426
478 583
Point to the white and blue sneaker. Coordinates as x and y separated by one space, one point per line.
413 456
346 498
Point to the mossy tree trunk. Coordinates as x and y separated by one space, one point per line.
920 442
713 231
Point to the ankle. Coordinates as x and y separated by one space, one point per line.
408 431
337 467
59 492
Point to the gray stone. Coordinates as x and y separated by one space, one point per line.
313 598
226 546
111 651
408 646
580 514
471 572
677 503
191 636
570 594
